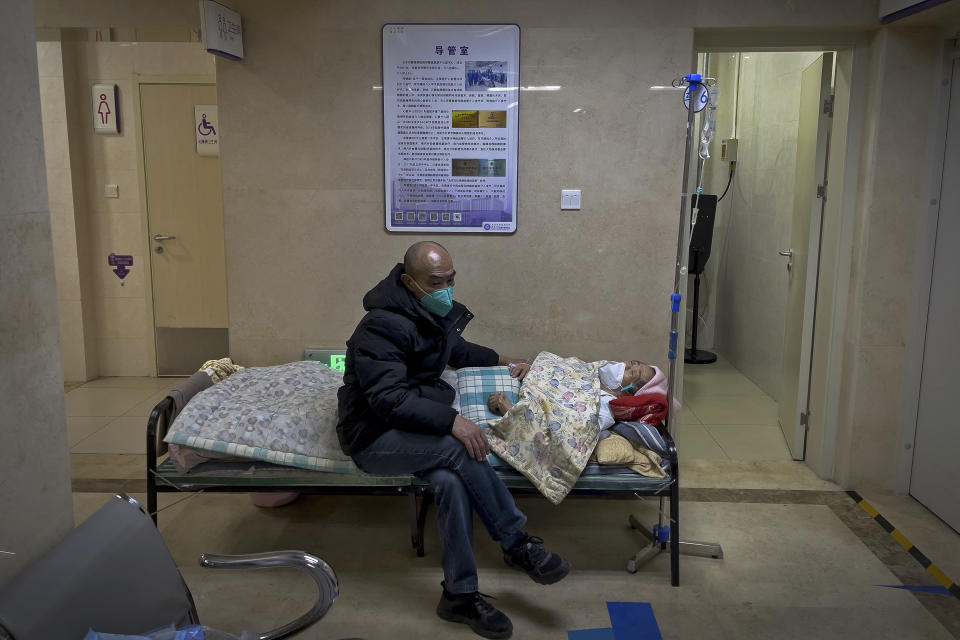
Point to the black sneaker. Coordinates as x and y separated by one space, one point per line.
470 608
544 567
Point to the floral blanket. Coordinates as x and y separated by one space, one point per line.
285 414
551 431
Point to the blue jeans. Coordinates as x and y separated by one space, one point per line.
461 485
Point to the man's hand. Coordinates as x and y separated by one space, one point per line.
519 369
472 438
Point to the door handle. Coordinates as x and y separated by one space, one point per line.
787 254
160 238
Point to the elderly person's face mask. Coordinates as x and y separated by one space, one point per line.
626 377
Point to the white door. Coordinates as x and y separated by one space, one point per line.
936 451
802 257
185 220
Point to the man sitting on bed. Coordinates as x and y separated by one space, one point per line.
396 418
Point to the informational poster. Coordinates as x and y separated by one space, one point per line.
450 102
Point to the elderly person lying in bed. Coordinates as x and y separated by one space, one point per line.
563 409
617 379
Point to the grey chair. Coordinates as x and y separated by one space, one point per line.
114 574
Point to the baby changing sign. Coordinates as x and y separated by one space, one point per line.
450 102
105 116
120 264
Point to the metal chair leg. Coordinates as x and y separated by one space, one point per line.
416 539
328 586
425 503
677 548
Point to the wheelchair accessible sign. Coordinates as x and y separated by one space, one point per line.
205 125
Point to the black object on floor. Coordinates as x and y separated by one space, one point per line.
471 609
700 242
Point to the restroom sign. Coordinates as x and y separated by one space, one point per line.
205 126
106 119
222 30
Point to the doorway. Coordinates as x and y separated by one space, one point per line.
183 199
758 288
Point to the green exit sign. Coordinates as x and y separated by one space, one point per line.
333 358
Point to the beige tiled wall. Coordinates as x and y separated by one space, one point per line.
571 283
892 202
62 222
124 328
303 172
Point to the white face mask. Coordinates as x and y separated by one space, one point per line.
611 375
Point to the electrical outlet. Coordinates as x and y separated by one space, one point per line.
570 199
728 150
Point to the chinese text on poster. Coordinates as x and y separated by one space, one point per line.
450 104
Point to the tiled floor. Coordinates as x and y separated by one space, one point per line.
791 570
109 415
800 561
727 417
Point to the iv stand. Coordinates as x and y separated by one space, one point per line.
660 533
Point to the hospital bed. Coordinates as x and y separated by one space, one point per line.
255 476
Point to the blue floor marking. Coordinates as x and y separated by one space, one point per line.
920 587
630 621
633 621
591 634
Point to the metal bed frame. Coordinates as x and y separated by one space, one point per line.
243 477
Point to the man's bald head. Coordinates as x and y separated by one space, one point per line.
427 266
421 256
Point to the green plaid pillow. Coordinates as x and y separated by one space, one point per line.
477 383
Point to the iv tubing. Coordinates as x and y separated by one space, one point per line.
681 254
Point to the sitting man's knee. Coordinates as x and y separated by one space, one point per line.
453 455
454 449
445 480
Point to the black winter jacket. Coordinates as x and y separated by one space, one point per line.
394 361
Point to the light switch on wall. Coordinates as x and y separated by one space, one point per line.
111 191
570 199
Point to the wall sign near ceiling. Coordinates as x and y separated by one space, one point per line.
106 117
450 101
222 30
